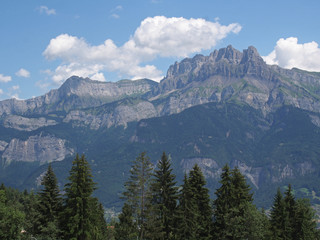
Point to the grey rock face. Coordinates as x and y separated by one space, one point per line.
3 145
26 124
226 75
229 75
41 149
77 93
119 115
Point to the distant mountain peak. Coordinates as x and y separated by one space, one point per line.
229 53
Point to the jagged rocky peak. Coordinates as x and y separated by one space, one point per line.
251 55
230 54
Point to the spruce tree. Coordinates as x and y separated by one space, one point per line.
201 196
305 226
279 220
222 205
126 228
137 194
290 209
49 206
186 215
163 201
232 206
77 214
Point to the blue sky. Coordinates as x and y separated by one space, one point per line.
42 43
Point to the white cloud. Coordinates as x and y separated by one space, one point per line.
288 53
115 16
1 91
15 87
46 10
115 11
4 78
155 37
23 73
16 96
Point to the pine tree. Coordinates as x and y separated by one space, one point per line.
126 229
98 220
137 194
305 226
279 220
222 205
290 209
186 215
77 214
49 206
202 199
232 206
163 201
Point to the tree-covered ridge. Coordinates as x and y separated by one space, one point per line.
155 208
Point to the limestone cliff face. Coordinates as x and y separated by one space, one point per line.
226 75
258 176
76 93
26 124
41 149
230 75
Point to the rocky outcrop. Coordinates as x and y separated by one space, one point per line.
3 145
230 75
40 149
77 93
26 124
112 115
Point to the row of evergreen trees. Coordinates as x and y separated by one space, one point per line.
48 215
156 208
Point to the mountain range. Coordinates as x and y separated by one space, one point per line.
228 107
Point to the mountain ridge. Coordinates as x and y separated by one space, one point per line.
227 107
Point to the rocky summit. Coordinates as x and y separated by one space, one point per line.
228 107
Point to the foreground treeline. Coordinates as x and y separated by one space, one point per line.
156 208
49 215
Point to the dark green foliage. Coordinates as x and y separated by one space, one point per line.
126 229
203 209
50 206
186 214
279 218
305 226
222 204
11 220
256 224
163 200
137 194
80 207
291 219
234 210
30 207
290 209
97 219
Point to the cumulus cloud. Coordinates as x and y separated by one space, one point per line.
46 10
4 78
155 37
23 73
288 53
